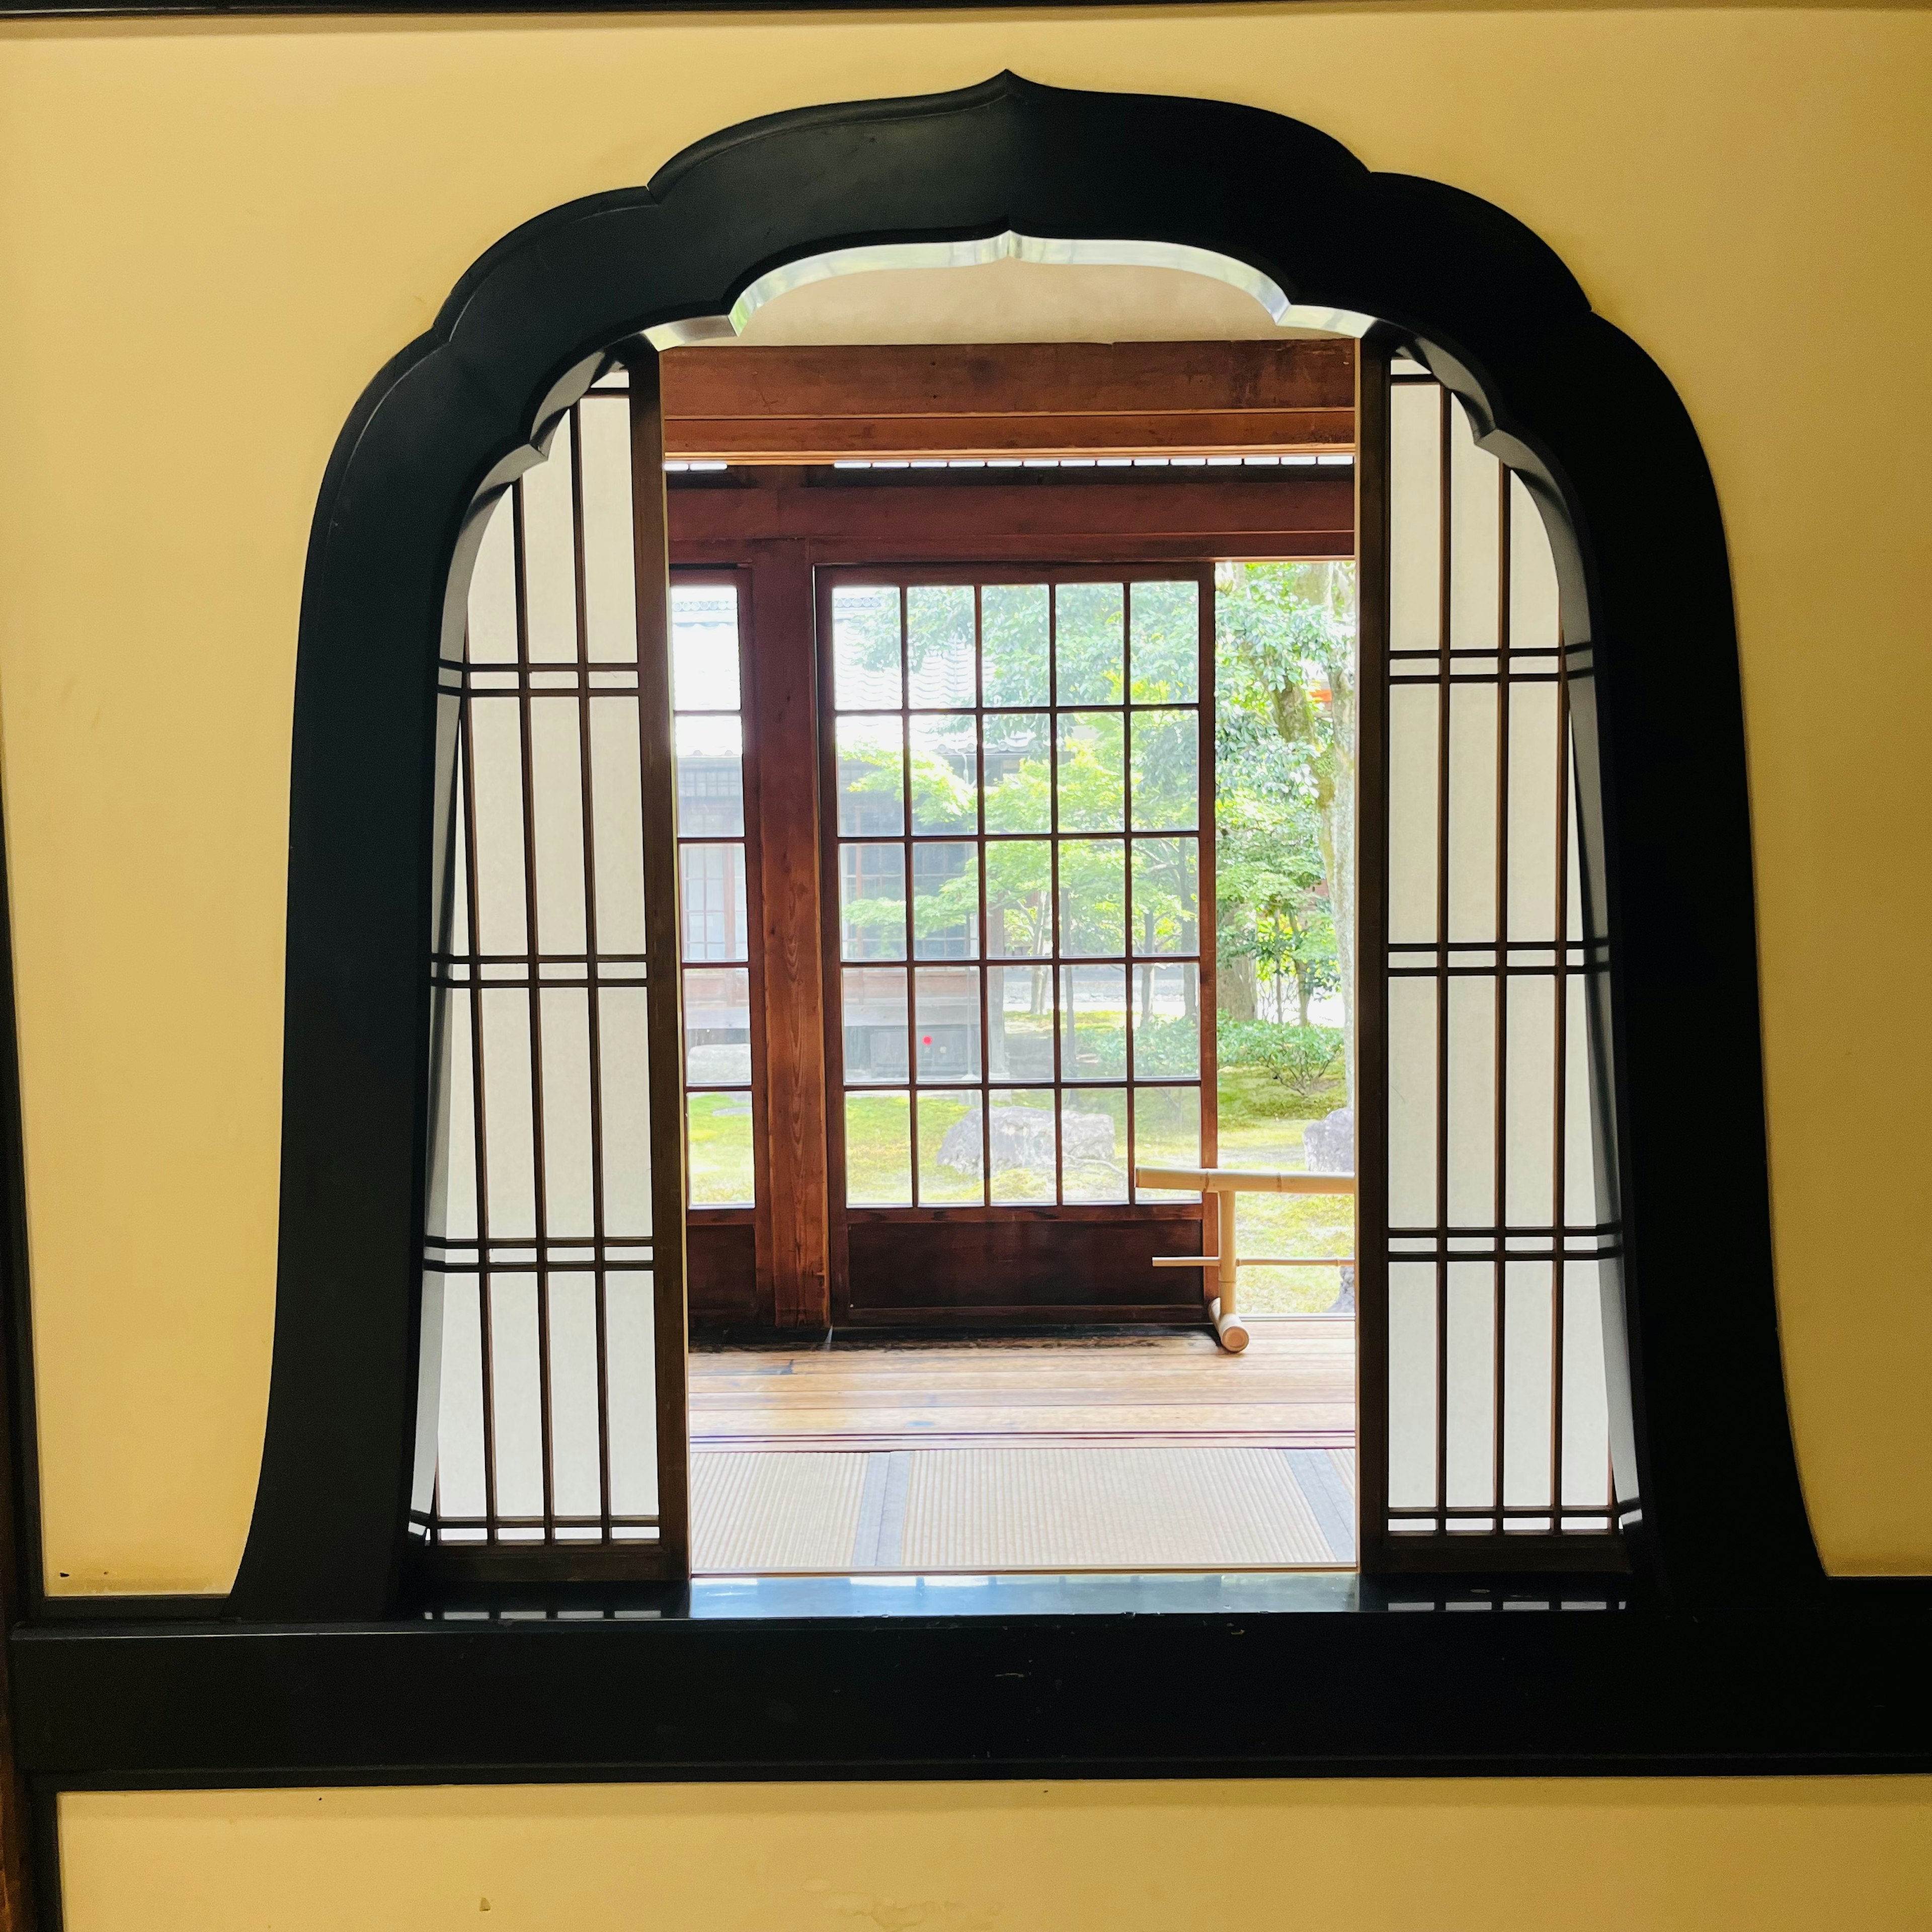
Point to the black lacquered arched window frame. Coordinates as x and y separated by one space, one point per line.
1591 423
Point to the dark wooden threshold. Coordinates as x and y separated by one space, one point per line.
1552 1677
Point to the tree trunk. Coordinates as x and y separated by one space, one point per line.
1235 980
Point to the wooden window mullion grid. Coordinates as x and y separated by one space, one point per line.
554 1543
1572 1529
1059 965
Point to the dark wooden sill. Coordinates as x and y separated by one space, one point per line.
1310 1675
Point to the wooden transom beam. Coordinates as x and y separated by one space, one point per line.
744 405
1147 517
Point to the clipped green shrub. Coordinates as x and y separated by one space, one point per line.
1302 1060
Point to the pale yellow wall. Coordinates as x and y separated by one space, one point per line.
1703 1855
213 235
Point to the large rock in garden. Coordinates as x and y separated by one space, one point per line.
1022 1139
1328 1146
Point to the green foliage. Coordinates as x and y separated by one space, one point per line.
1303 1060
1285 687
1166 1047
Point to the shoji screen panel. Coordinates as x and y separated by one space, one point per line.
1484 1378
552 1267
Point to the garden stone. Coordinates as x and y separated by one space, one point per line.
1328 1146
1022 1139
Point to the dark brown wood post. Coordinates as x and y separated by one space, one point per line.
666 1027
782 741
1370 1098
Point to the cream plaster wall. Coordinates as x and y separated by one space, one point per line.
1471 1856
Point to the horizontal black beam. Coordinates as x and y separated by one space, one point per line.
1469 1686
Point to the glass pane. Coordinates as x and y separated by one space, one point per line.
1087 643
718 1127
1094 1145
1167 1133
1093 1023
1093 897
1019 1022
945 763
1019 898
1017 772
946 901
717 1026
878 1150
1091 771
1166 652
710 777
865 647
1013 643
1167 1021
704 647
949 1150
1167 904
939 646
1023 1125
711 878
945 1007
872 901
874 1015
1166 773
871 798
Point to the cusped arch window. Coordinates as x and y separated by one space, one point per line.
1557 914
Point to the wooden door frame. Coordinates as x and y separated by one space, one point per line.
1173 1228
1190 519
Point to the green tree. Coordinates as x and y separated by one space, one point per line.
1285 655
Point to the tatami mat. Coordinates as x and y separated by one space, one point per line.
1090 1508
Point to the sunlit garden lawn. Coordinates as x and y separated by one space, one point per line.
1261 1125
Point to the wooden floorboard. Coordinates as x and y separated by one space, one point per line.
1294 1387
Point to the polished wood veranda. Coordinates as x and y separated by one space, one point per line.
1138 1451
1294 1387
